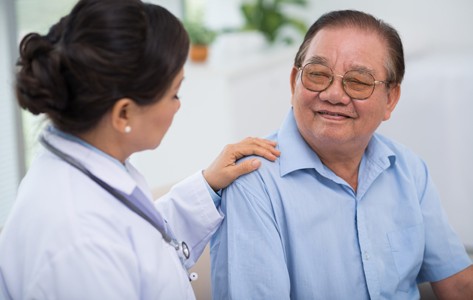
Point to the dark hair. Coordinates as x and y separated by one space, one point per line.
104 50
351 18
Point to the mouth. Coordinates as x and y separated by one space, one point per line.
333 115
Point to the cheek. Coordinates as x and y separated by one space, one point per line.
302 97
383 112
387 113
372 118
168 115
164 122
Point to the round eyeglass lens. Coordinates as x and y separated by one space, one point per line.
358 85
316 77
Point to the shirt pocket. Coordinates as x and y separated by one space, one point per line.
407 248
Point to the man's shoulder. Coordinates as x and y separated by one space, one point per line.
266 169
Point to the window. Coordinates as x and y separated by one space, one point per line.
11 162
19 129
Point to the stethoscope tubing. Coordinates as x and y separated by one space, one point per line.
122 198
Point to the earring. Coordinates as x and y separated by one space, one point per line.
127 129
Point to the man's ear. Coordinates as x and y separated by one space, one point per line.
122 112
393 98
293 78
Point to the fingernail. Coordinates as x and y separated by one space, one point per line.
255 163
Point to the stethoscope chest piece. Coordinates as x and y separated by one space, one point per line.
185 250
182 247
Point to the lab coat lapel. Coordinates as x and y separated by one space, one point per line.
104 168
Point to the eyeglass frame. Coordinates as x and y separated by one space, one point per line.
375 82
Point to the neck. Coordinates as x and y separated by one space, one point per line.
107 141
347 169
344 162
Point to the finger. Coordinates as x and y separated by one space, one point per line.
245 167
259 141
270 146
267 144
267 152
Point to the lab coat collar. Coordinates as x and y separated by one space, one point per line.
97 163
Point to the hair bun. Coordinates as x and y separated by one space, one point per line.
34 45
40 84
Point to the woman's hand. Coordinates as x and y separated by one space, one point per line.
224 169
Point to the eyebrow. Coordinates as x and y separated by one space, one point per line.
318 60
323 61
362 69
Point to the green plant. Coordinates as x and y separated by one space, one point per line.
267 16
199 34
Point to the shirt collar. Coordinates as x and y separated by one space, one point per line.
295 152
379 153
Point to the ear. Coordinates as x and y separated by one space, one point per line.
293 78
121 114
393 98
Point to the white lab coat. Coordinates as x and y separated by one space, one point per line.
68 238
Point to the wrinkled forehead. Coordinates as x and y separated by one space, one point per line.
345 48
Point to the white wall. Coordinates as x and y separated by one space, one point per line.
424 25
236 95
174 6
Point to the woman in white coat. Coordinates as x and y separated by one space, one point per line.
84 225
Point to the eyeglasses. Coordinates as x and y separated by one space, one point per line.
357 84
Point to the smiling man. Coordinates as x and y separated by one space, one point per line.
344 213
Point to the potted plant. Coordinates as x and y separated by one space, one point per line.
268 17
200 39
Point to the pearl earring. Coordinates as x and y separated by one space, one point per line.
128 129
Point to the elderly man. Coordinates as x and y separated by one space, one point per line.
344 213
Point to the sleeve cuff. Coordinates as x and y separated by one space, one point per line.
216 196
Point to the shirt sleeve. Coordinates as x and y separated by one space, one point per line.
216 196
191 214
444 253
248 260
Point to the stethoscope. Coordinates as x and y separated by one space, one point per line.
182 249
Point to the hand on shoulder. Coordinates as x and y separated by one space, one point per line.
224 169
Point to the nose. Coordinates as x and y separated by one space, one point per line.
335 93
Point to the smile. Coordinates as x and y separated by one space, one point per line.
333 114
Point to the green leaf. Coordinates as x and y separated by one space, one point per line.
199 34
268 17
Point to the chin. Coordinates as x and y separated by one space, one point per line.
150 146
156 145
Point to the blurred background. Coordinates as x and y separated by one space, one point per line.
241 88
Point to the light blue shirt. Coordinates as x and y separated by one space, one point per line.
295 230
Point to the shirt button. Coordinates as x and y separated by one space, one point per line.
366 255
